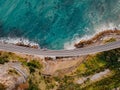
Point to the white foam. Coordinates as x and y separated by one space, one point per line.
110 26
18 40
106 26
70 45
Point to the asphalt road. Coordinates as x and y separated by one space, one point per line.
61 53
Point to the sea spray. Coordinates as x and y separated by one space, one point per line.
71 44
18 41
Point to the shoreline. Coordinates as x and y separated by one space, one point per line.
94 41
81 42
96 38
19 42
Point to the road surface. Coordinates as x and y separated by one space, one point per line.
60 53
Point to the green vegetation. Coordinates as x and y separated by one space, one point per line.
35 78
110 40
93 64
106 83
3 60
33 64
34 67
32 86
8 56
111 59
97 63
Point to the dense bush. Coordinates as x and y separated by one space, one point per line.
32 86
111 57
3 60
34 64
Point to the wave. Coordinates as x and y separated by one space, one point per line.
18 40
110 26
68 45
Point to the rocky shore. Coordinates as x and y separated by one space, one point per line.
24 45
98 37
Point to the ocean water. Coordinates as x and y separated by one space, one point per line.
57 24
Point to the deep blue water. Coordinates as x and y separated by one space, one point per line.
52 23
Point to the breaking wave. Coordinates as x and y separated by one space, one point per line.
18 40
70 45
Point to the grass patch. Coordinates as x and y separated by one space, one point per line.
111 61
110 40
97 63
91 66
9 56
106 83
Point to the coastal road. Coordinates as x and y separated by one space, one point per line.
60 53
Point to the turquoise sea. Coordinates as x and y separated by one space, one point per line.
52 23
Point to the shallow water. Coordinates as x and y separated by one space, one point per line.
53 23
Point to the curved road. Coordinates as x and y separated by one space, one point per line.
61 53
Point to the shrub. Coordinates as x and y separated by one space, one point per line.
33 64
111 57
3 60
32 86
